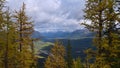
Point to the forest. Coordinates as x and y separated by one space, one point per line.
18 46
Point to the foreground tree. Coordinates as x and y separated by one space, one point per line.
1 32
69 58
94 12
111 35
16 44
7 38
24 29
56 57
103 22
77 63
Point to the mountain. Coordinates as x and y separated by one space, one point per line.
68 35
37 35
58 34
84 33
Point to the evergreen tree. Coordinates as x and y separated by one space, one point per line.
94 12
16 44
77 63
1 32
103 21
24 24
25 29
34 59
69 55
56 57
111 36
7 37
8 42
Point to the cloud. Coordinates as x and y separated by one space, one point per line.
53 15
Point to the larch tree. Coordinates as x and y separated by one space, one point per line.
5 28
16 44
94 12
77 63
25 29
111 35
69 58
1 30
8 37
10 40
103 21
56 57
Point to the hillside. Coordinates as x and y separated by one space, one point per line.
42 47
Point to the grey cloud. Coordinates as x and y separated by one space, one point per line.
53 15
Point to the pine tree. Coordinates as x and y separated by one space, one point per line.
25 29
11 44
16 45
69 55
56 57
24 24
77 63
111 36
94 12
103 21
7 41
7 35
34 59
1 32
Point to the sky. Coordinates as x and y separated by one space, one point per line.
53 15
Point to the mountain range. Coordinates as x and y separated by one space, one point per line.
82 33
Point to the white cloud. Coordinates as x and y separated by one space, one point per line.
53 15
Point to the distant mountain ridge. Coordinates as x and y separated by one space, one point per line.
37 35
82 33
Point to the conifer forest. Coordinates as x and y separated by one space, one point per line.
59 33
